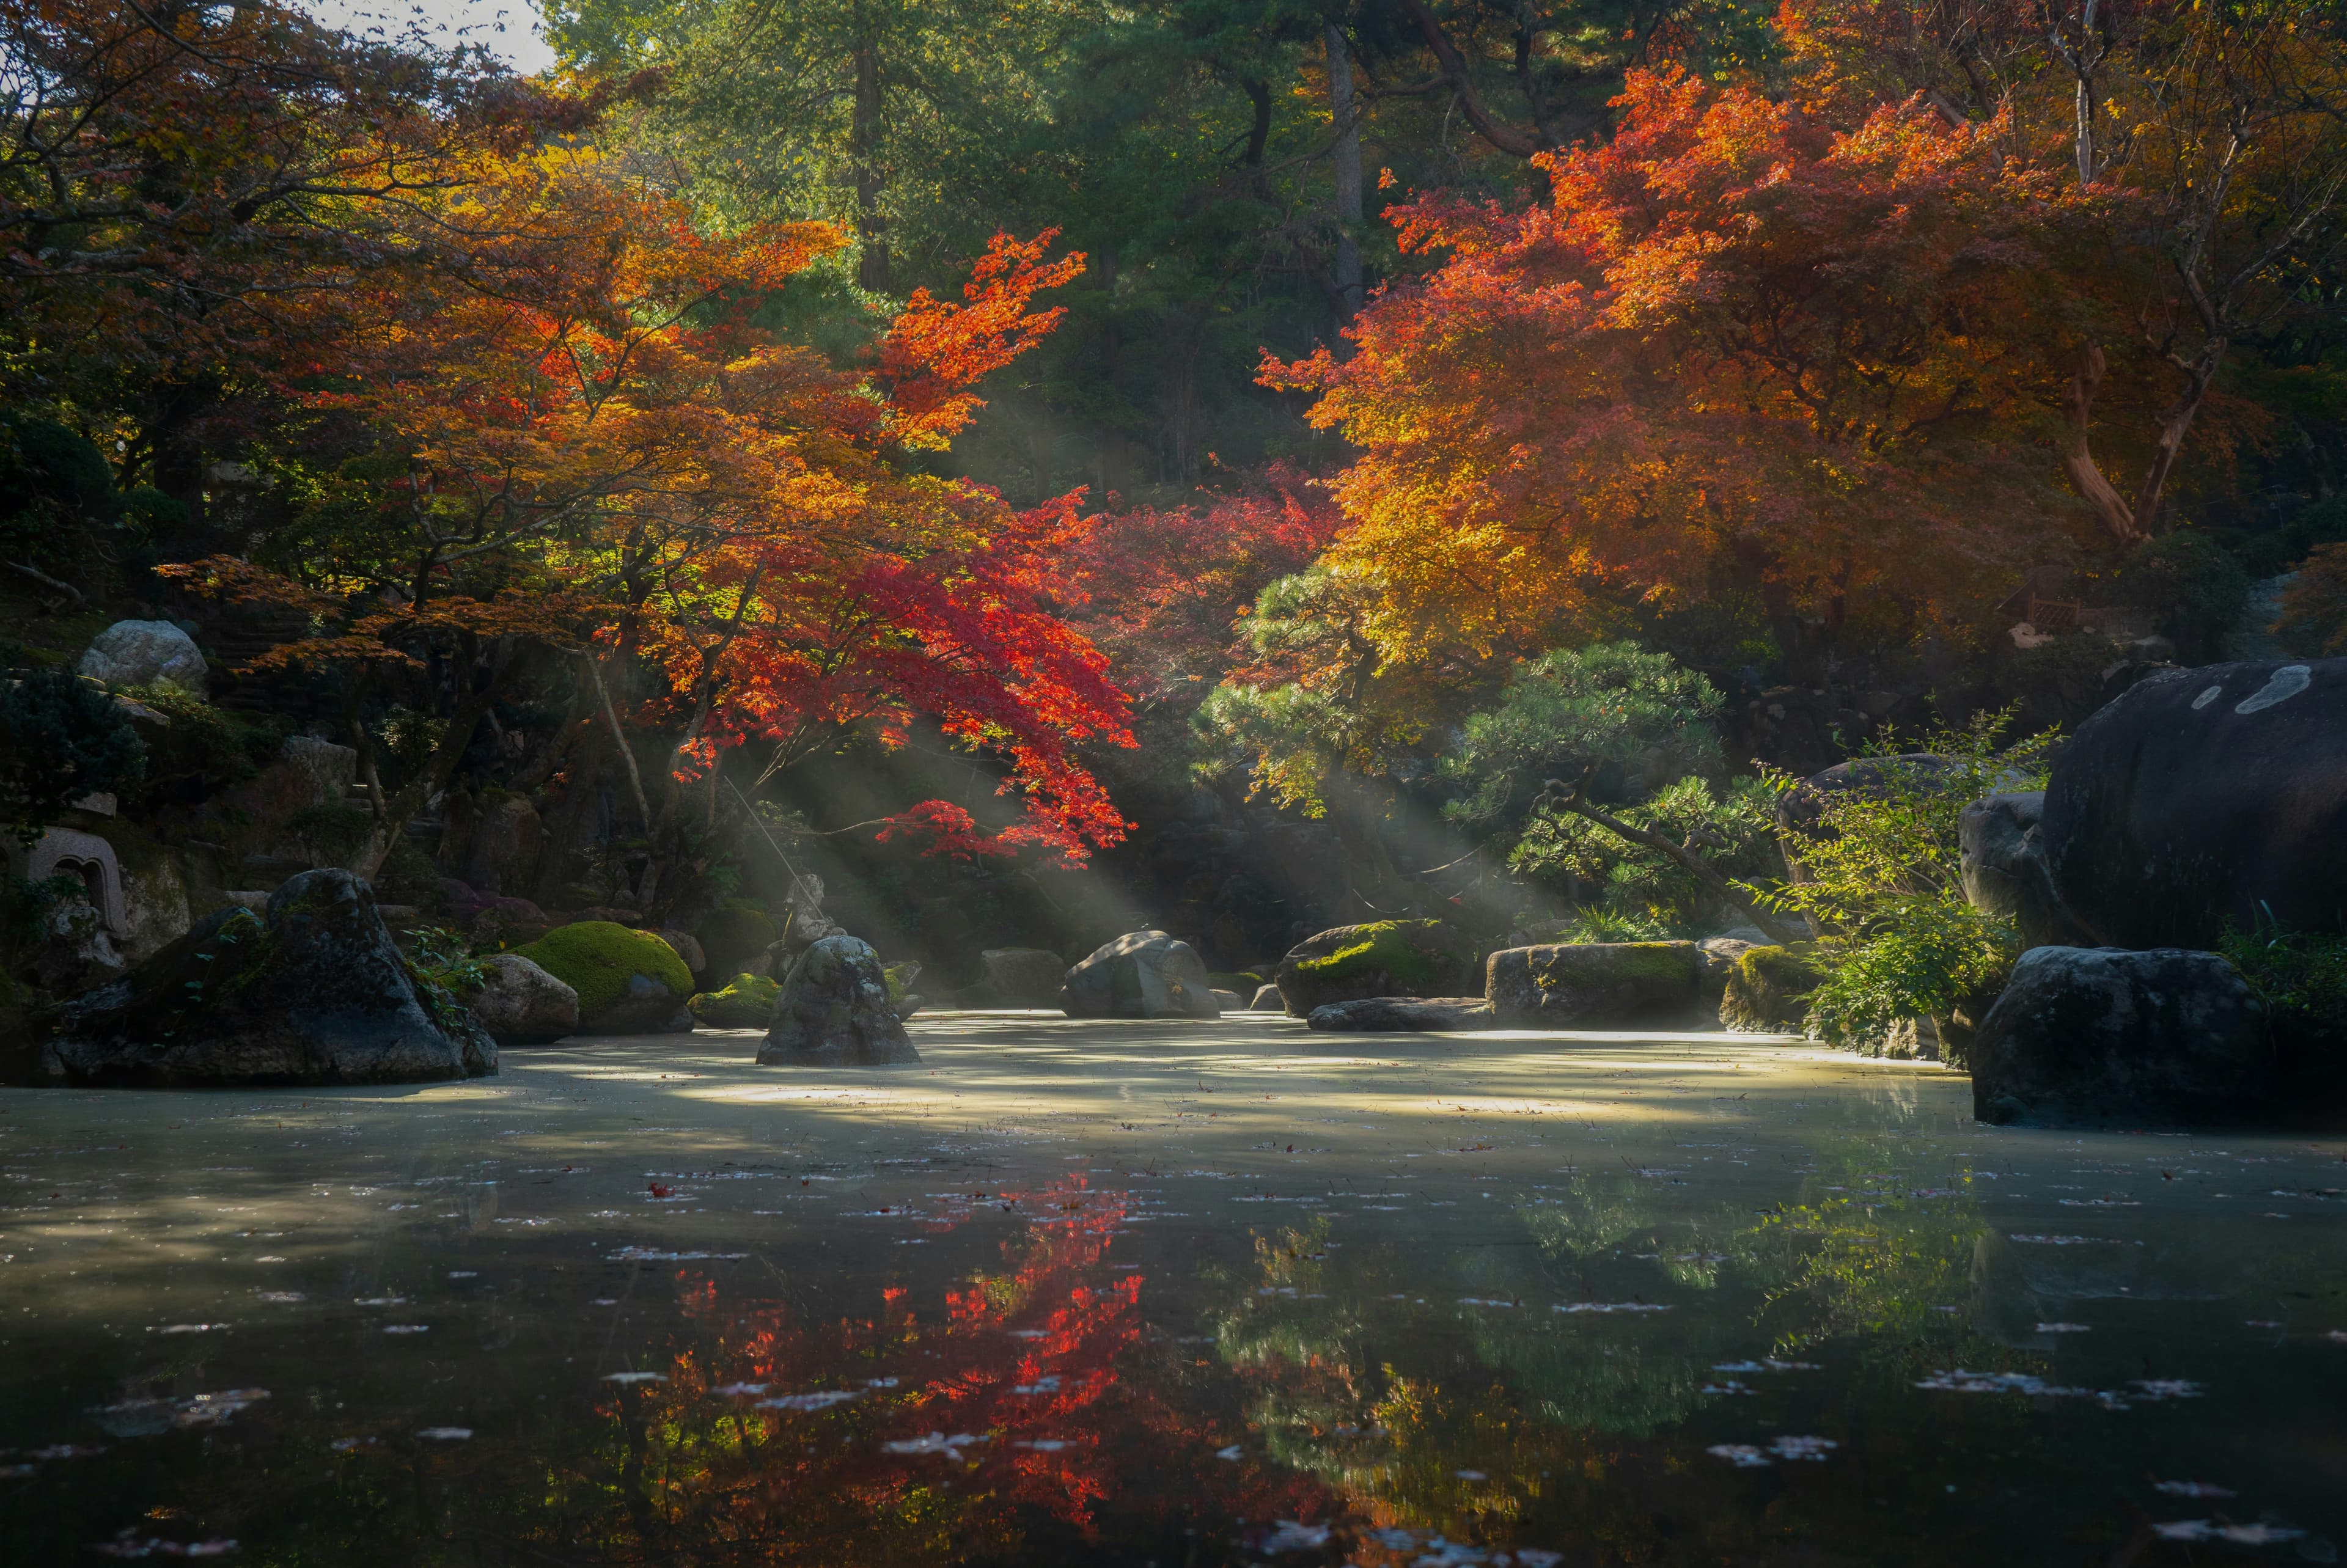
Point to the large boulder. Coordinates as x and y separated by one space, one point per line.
746 1002
2089 1037
628 982
315 991
2204 796
1025 975
1142 974
145 653
687 948
1403 1013
520 1004
1767 991
834 1011
1382 958
1584 984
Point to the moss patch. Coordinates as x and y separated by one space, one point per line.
596 957
1385 945
747 1001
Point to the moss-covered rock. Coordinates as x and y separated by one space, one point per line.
747 1001
1584 984
1382 958
733 938
1767 991
628 982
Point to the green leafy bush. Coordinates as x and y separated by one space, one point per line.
204 746
446 960
1884 879
1639 892
2300 976
2192 584
61 738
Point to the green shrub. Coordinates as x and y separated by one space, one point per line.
1884 867
2300 976
61 738
597 957
446 960
2192 584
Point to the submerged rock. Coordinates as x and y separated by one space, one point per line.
2089 1037
313 992
1142 974
1573 985
1401 1013
834 1011
521 1004
1382 958
629 981
2203 796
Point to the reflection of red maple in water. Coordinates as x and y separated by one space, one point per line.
1038 1392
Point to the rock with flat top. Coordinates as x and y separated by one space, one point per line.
1584 984
1423 1014
2095 1037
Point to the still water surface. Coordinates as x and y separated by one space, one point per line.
1171 1293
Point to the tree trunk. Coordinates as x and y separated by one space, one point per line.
2077 459
1346 161
2175 423
864 152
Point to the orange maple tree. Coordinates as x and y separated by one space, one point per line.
579 439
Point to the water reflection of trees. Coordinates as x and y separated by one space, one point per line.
1015 1423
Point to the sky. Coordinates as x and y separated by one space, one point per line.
447 21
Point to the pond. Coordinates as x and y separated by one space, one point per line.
1085 1292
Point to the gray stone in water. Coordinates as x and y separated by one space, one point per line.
1030 975
1424 1014
143 653
1582 984
2089 1037
1267 999
316 993
834 1011
1142 974
2203 796
522 1004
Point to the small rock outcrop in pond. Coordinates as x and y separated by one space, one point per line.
313 992
2203 796
628 982
2101 1036
1767 991
1142 974
1592 984
521 1004
745 1001
1404 1013
1382 958
834 1011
